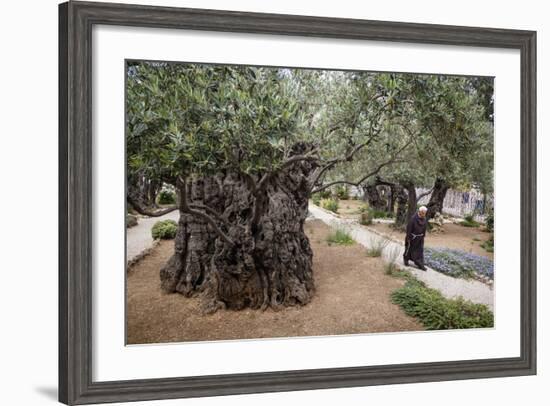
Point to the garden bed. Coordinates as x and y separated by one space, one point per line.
459 264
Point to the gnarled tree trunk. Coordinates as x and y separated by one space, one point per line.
391 199
372 197
411 200
437 198
270 263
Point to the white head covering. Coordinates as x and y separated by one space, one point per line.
423 208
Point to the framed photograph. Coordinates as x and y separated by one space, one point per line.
259 202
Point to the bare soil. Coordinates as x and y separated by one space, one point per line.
352 296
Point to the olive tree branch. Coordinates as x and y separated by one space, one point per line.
392 160
419 197
146 212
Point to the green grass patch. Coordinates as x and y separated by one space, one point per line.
376 247
392 269
340 237
381 214
437 312
330 205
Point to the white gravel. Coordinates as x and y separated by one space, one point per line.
138 238
449 287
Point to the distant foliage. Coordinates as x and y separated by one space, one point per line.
330 204
340 237
459 264
489 245
164 230
325 194
439 313
167 197
316 199
342 193
469 221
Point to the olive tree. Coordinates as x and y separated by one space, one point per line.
245 147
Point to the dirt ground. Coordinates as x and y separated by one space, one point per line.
350 208
352 296
454 236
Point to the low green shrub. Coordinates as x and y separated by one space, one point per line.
340 237
469 221
437 312
164 230
325 194
167 197
381 214
330 204
316 199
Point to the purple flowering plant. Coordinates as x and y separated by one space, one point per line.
457 263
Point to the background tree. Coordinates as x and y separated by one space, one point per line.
447 124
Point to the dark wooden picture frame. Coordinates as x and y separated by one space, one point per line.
76 20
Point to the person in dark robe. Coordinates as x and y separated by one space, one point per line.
414 239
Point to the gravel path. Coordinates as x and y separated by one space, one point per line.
450 287
138 238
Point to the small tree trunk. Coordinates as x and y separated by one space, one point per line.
401 214
152 191
391 199
435 205
373 198
270 263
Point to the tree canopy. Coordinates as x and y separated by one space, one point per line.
186 120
